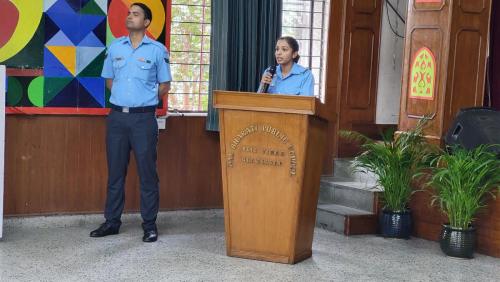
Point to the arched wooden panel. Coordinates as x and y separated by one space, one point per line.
430 37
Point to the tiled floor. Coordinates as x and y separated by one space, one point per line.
191 248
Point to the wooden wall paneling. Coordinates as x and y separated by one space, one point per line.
468 49
189 165
488 229
357 99
495 56
17 171
427 221
49 164
428 29
56 164
336 30
457 32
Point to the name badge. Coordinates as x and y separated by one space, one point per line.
144 60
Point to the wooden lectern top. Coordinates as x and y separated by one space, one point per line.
250 101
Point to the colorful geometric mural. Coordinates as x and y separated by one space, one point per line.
55 61
74 53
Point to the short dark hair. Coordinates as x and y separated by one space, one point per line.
148 15
292 42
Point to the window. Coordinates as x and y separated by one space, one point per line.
307 21
189 55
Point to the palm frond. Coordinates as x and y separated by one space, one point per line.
395 161
462 180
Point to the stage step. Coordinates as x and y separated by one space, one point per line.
346 220
344 170
348 201
347 193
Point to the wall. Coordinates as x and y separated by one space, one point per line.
495 56
2 142
390 64
57 164
456 33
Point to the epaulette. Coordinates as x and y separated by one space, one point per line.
118 40
158 44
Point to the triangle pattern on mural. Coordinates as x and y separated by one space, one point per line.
85 55
103 4
100 31
47 4
77 4
66 55
95 67
53 86
91 41
92 8
67 97
92 92
52 67
59 39
74 25
51 28
85 100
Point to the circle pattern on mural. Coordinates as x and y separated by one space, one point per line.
10 17
14 91
35 91
29 15
117 15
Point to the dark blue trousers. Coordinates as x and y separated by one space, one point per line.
137 132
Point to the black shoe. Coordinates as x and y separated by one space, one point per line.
104 230
150 236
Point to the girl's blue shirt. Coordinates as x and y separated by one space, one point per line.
299 81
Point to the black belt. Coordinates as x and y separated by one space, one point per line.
132 110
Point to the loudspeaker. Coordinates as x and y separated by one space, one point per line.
475 126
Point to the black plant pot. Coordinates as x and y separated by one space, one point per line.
395 224
456 242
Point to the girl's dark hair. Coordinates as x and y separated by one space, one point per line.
148 15
292 42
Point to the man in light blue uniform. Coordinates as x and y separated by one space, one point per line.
137 71
299 81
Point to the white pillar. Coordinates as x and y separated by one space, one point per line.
390 63
3 79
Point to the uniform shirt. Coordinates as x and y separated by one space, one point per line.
299 81
136 73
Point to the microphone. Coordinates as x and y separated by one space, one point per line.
265 86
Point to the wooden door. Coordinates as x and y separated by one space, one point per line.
352 71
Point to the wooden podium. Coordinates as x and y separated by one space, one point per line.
271 153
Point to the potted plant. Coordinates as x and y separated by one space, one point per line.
396 161
462 180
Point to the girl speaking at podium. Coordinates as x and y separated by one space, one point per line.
287 77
